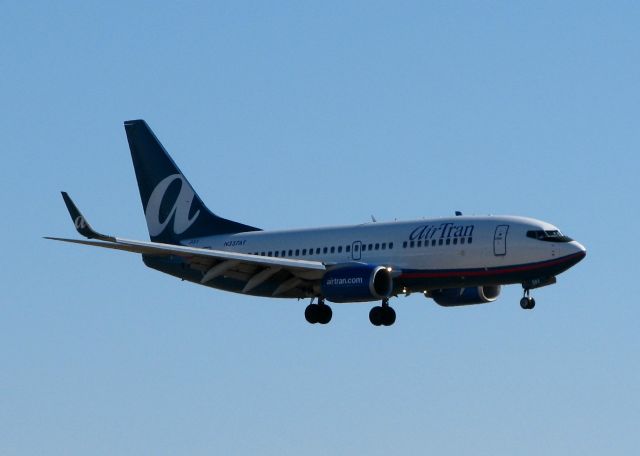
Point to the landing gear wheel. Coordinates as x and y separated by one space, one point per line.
527 303
325 314
318 313
382 315
311 313
376 316
389 316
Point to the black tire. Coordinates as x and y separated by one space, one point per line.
311 313
325 314
389 316
376 316
532 303
524 303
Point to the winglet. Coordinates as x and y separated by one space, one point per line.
81 223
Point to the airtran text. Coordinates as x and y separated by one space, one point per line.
441 231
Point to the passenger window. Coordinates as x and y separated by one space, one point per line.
339 249
370 247
461 240
276 253
318 251
348 248
304 252
290 252
324 250
364 247
440 242
269 254
419 244
333 249
470 241
390 245
297 252
377 246
433 243
448 241
411 244
404 245
384 246
455 241
262 253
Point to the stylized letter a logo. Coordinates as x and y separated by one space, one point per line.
179 212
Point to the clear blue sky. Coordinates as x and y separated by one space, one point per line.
293 114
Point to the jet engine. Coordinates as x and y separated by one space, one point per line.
451 297
357 283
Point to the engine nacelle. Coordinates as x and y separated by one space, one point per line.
450 297
357 283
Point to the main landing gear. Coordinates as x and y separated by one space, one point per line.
383 315
318 313
527 302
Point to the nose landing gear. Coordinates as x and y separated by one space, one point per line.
318 313
383 315
527 302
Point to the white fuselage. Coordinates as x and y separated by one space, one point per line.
419 249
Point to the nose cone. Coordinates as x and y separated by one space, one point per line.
578 250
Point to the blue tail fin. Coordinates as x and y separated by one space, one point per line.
172 208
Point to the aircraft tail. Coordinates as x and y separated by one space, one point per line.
173 209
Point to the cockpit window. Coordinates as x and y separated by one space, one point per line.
549 236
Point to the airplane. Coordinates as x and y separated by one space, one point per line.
455 261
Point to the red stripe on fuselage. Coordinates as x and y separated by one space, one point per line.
492 271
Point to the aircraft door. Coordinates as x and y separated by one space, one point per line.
500 240
356 248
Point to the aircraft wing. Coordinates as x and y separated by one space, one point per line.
253 269
156 248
